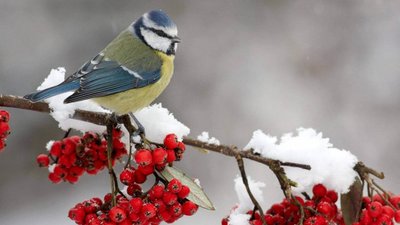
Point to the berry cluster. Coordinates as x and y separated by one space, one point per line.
149 160
319 210
4 128
72 156
159 204
376 210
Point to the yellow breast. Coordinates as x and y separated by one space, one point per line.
135 99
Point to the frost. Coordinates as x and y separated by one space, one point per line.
204 137
330 166
158 121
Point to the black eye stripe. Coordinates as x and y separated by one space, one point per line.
159 32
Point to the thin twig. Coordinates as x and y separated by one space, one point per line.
240 163
110 128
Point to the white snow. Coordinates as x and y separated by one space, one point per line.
51 167
238 215
158 121
245 203
62 113
330 166
49 144
205 137
239 219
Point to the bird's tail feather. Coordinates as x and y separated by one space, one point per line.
50 92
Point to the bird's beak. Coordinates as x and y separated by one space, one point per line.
176 39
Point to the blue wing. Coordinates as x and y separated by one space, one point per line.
108 77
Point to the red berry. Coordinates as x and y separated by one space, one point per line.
256 222
160 205
384 220
170 198
134 190
165 215
332 195
366 201
395 200
54 178
176 209
277 209
225 221
140 178
171 141
397 216
108 198
60 171
76 171
69 146
4 129
174 186
189 208
374 209
71 178
156 191
143 157
184 192
4 116
136 204
315 220
365 218
146 170
319 190
134 216
159 156
127 176
43 160
2 144
55 149
171 157
387 210
117 214
77 215
325 209
378 198
148 210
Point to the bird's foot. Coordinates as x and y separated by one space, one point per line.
113 118
140 132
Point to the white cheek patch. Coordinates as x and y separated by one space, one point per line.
155 41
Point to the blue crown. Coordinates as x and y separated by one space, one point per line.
160 18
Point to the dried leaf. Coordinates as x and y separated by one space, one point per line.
196 195
351 202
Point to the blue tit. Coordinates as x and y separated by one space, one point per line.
130 72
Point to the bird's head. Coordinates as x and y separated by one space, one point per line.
158 31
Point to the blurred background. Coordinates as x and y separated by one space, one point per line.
242 65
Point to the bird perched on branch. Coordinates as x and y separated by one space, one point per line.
130 72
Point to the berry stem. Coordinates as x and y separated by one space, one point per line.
67 133
240 164
301 208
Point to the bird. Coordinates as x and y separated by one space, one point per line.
129 73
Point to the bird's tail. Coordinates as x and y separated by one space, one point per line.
50 92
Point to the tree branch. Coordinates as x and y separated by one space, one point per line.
105 118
